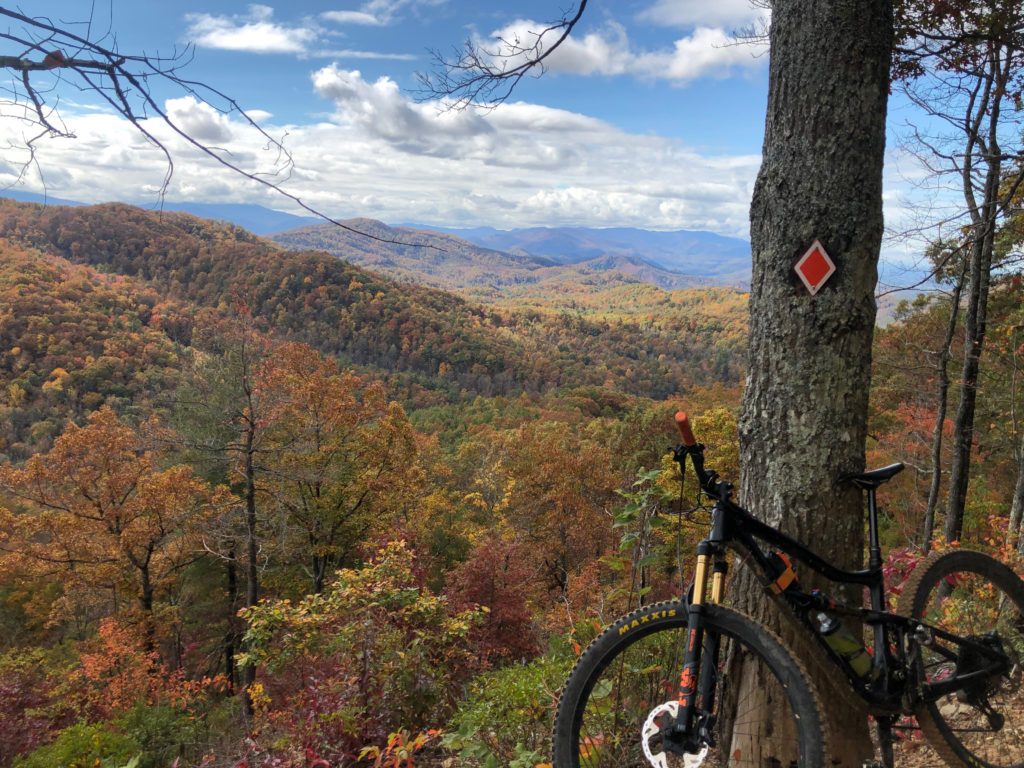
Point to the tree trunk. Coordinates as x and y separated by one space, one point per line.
941 405
146 592
804 414
233 633
975 318
1017 509
982 157
252 572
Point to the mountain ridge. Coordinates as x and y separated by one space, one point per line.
256 219
437 346
451 262
690 251
685 258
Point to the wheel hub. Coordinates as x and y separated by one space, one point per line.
659 722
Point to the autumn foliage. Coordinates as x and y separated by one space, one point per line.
270 510
100 515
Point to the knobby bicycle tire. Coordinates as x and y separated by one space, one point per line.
635 664
969 593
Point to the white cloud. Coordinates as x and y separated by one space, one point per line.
706 52
518 134
255 32
378 12
387 157
352 17
199 120
259 115
350 54
525 163
258 32
700 13
604 53
377 106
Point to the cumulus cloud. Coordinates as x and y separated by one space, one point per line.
606 52
527 163
199 120
380 109
255 32
706 52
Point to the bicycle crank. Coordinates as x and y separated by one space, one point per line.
654 731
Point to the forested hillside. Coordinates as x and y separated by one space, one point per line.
222 462
71 340
143 353
482 274
436 340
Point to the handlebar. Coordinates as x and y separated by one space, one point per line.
683 422
707 478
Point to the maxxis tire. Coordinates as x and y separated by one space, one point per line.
672 616
933 568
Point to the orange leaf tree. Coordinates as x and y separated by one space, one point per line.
101 513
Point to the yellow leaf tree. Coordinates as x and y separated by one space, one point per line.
341 458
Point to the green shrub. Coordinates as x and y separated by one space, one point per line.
506 717
162 733
375 653
83 746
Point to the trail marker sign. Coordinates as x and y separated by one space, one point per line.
815 267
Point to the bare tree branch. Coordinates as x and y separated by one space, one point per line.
486 78
46 49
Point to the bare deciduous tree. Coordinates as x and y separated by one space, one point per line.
961 64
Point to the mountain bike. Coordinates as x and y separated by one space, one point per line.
695 682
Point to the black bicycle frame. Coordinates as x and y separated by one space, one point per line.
733 527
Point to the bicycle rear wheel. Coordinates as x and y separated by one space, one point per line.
633 668
971 595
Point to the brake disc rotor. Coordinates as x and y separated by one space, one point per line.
652 731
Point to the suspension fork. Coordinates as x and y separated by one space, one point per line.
702 651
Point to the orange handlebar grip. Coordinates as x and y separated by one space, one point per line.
683 422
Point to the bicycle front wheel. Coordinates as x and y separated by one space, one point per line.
972 596
768 715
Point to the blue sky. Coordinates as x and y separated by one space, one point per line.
648 117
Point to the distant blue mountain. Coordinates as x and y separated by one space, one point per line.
696 253
724 259
32 197
254 218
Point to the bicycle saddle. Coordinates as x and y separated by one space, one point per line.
872 478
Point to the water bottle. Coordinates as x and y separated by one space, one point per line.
846 646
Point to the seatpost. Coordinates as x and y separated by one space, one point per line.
882 658
874 548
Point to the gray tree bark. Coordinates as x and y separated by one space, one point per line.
941 403
1017 508
804 414
984 212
